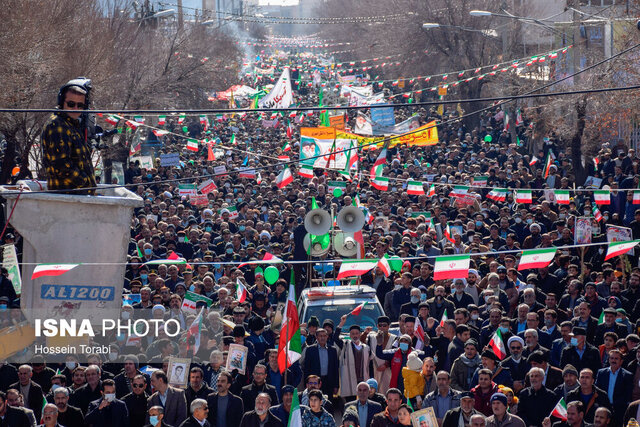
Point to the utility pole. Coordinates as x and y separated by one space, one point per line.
180 17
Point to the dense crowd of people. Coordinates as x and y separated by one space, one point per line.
570 331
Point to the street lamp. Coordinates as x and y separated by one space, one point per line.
432 25
429 25
480 13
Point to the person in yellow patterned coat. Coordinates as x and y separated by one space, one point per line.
413 379
65 149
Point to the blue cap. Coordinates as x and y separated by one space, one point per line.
372 383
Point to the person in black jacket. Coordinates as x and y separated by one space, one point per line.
8 376
68 416
12 417
198 418
251 391
261 416
34 397
232 416
107 411
310 362
590 358
537 401
197 388
136 401
596 397
156 415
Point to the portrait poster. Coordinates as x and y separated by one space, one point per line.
237 358
424 418
178 372
583 230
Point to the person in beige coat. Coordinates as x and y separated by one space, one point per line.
381 371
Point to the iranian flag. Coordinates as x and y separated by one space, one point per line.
432 226
497 345
133 125
192 144
498 194
536 258
162 120
547 165
380 183
181 118
415 188
241 291
620 248
533 161
356 267
233 141
562 197
602 197
519 120
42 270
306 171
112 120
451 267
268 258
418 330
560 410
210 154
176 261
356 311
195 331
378 165
286 147
432 190
289 129
447 234
506 121
284 178
524 196
636 197
138 119
259 179
479 181
383 264
597 213
295 416
459 191
290 344
444 318
332 185
158 132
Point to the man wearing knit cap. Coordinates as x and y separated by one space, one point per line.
500 417
570 377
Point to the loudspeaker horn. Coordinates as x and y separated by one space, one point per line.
317 222
350 219
316 249
345 244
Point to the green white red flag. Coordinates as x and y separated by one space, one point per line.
195 330
498 194
524 196
547 165
356 267
356 311
459 191
602 197
432 191
383 264
192 144
479 181
447 234
241 291
497 345
290 343
562 197
636 197
597 214
295 416
415 188
306 171
620 248
378 165
536 258
380 183
560 410
284 178
444 318
42 270
451 267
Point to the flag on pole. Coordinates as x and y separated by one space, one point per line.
620 248
378 165
444 318
259 179
418 332
432 191
459 191
451 267
290 343
597 213
195 330
636 197
447 234
192 144
42 270
112 119
241 291
356 311
497 345
536 258
533 161
547 166
295 416
560 410
284 178
383 264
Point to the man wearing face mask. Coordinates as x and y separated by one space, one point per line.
107 411
411 308
396 359
581 354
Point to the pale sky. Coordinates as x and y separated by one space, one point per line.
278 2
